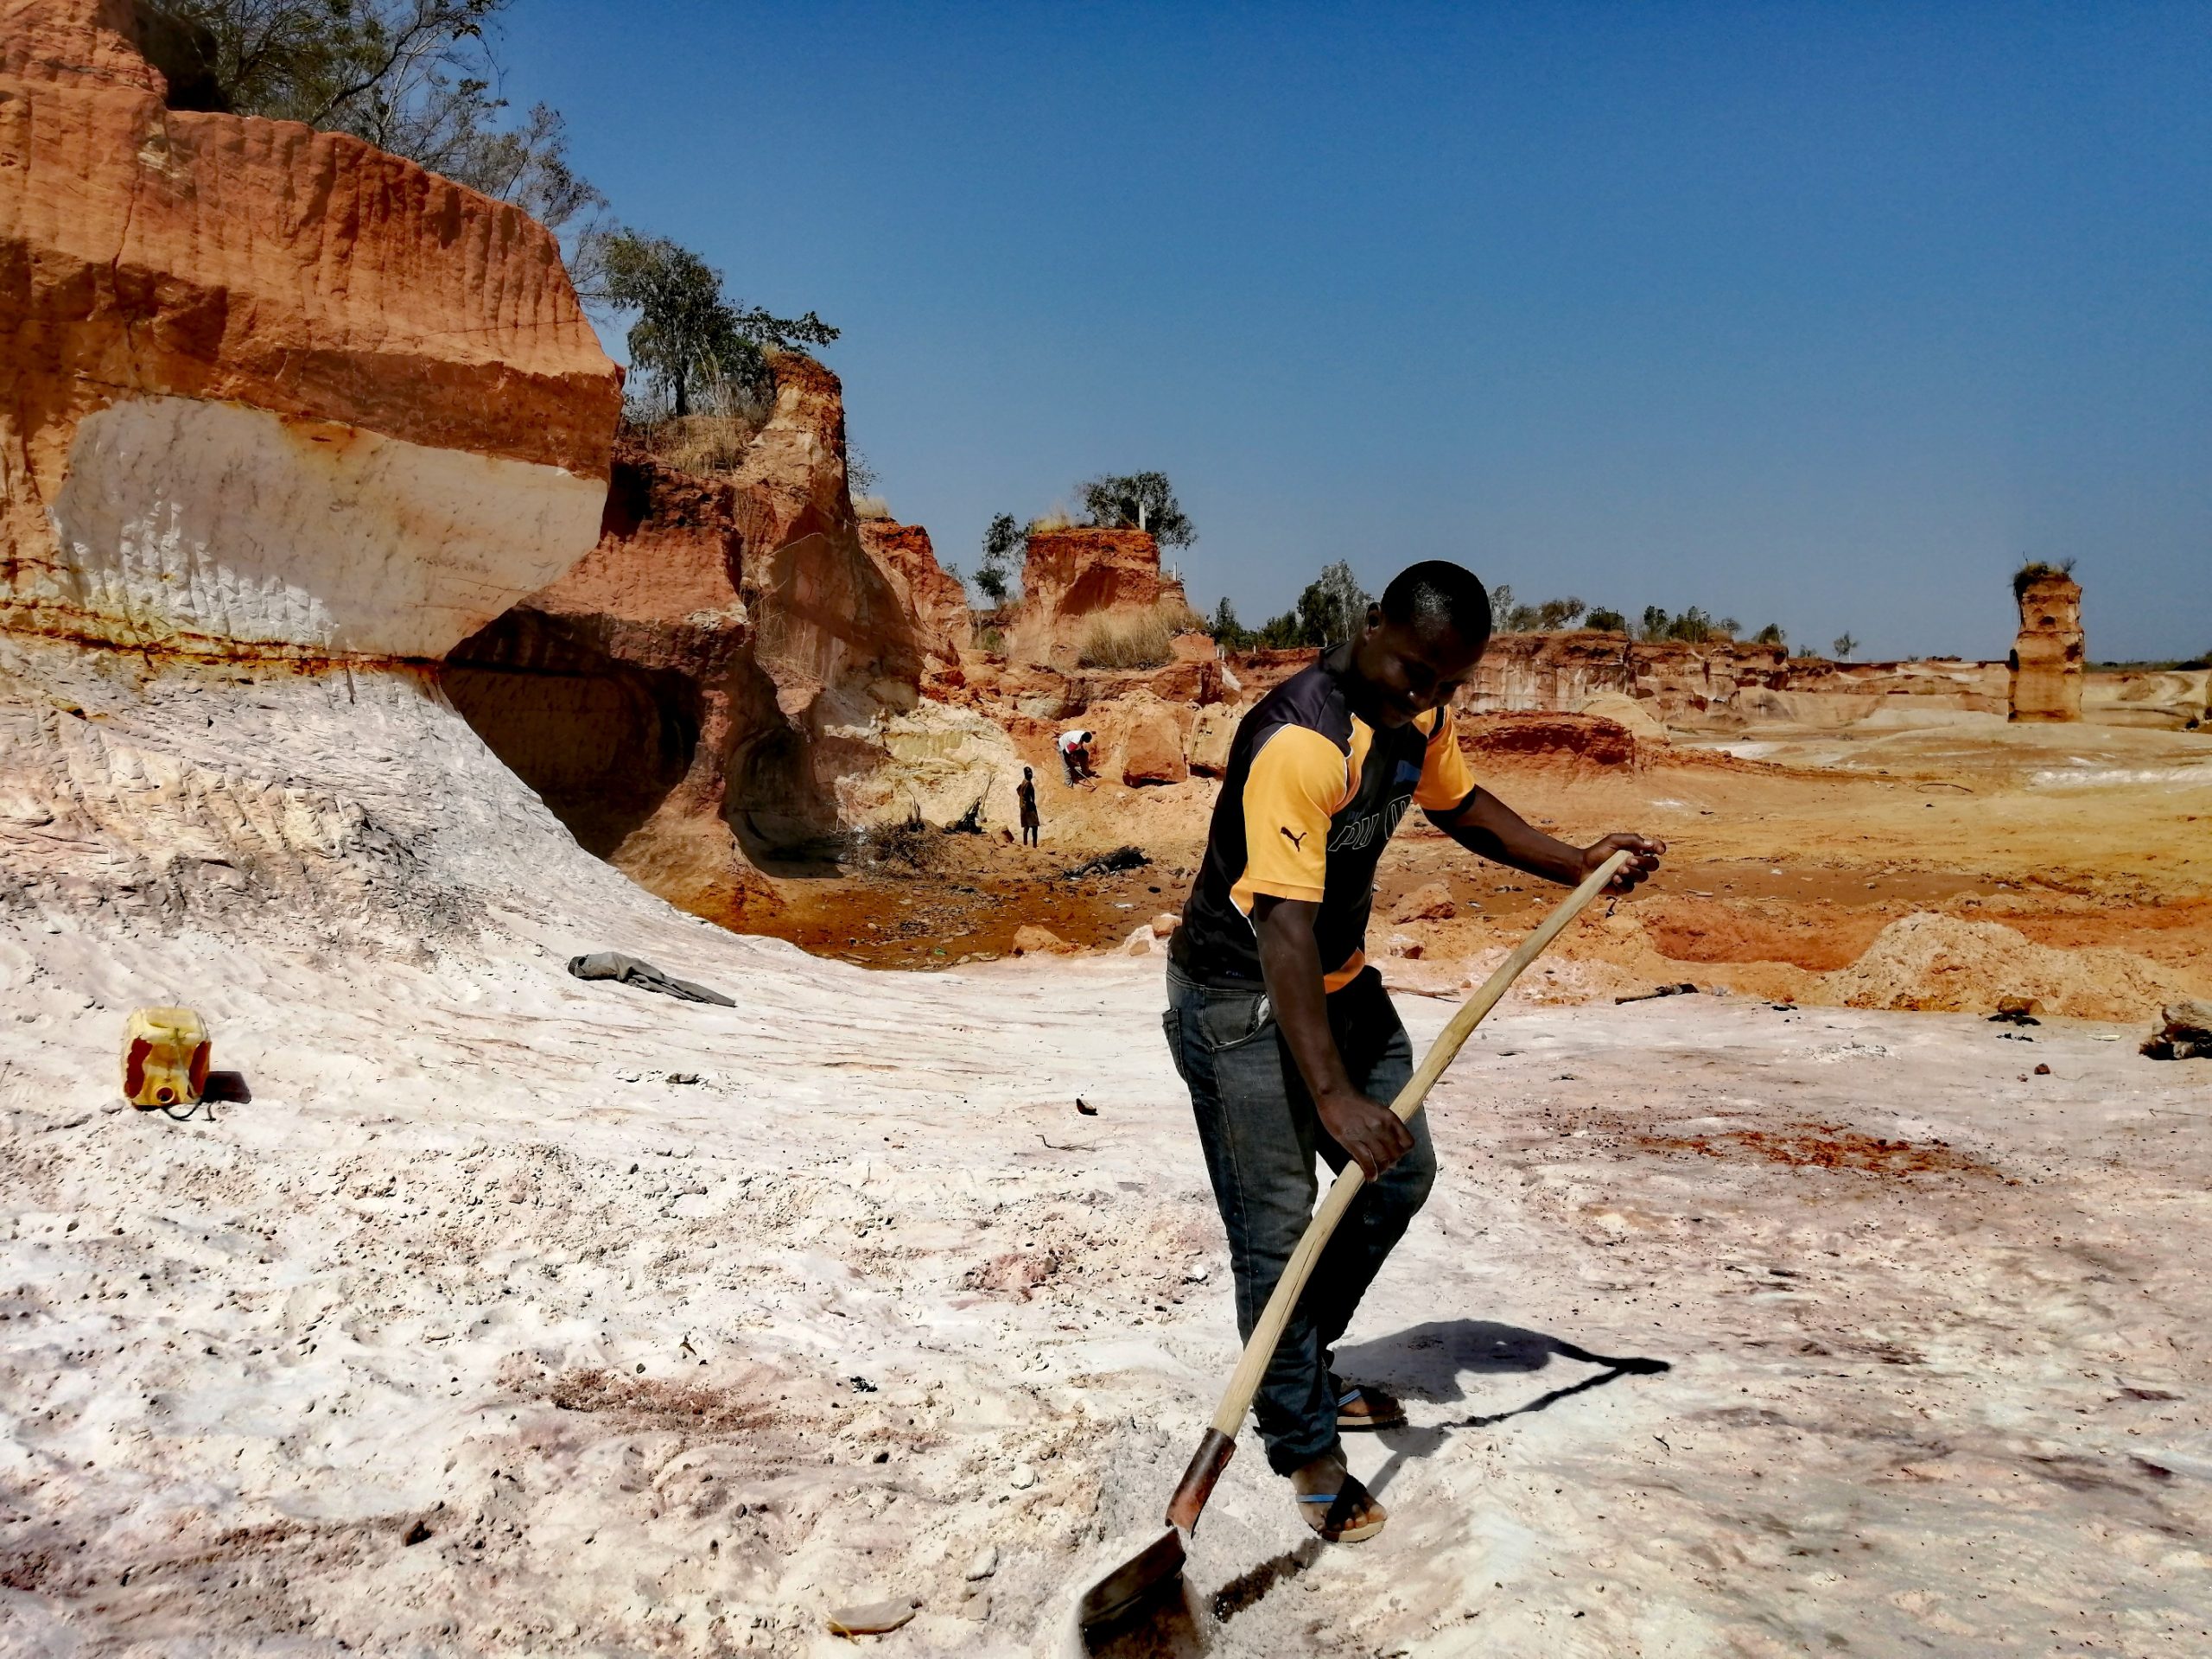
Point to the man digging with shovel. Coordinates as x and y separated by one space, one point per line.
1283 1034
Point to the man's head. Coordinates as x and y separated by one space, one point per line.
1422 639
1026 774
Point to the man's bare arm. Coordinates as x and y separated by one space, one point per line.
1290 961
1485 825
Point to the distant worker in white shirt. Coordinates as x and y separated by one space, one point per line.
1074 755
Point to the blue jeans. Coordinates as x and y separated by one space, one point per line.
1260 1131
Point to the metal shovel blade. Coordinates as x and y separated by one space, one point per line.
1159 1562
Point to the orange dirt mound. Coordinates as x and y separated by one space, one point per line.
1820 938
1548 737
1927 961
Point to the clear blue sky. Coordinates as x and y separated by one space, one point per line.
1823 314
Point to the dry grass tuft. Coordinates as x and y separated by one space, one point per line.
1143 641
714 442
870 507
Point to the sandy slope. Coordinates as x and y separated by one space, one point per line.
652 1365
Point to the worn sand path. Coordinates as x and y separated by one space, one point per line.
648 1364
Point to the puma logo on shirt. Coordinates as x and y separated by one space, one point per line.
1297 839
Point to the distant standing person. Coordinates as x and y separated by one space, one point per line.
1075 756
1026 791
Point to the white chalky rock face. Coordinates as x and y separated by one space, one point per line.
182 523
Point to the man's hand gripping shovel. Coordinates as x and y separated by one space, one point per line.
1160 1559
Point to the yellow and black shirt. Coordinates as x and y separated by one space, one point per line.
1311 796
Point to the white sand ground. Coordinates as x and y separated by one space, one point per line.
651 1366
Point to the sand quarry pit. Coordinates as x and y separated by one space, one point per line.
499 1312
513 1315
1933 869
506 1312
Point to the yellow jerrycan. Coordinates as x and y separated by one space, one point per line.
164 1058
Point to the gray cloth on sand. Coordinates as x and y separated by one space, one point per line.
613 964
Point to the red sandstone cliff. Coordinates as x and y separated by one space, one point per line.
944 627
732 671
285 417
347 343
1075 578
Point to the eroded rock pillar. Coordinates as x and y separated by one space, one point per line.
2046 661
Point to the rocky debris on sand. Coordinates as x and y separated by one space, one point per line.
1029 939
2184 1033
1432 901
1679 988
632 970
984 1564
1165 923
872 1619
1113 863
2017 1011
1141 942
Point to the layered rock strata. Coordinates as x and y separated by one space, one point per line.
2046 661
265 386
1720 684
282 418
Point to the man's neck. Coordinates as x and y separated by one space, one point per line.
1342 665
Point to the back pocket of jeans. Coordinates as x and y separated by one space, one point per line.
1171 1023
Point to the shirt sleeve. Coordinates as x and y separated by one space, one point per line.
1445 779
1296 783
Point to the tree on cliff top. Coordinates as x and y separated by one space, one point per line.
688 338
414 77
1509 615
1142 501
1228 632
1001 541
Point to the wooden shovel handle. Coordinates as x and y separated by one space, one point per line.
1244 1381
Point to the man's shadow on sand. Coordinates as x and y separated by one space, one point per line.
1427 1361
1423 1362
